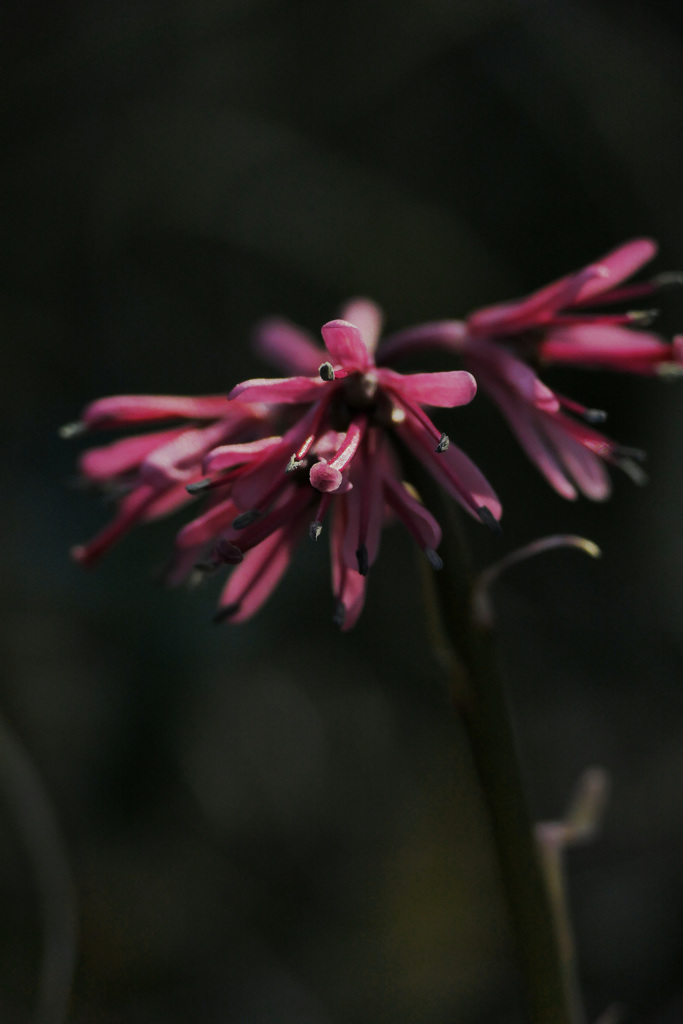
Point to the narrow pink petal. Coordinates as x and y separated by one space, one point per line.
346 346
167 502
283 390
183 456
449 335
207 526
494 360
510 317
288 347
418 520
130 511
368 318
107 412
100 464
584 466
605 345
348 585
253 581
451 468
446 389
616 267
526 424
228 455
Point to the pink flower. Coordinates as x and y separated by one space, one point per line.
148 473
504 344
337 457
339 419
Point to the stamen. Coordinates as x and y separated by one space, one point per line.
199 486
245 519
633 470
643 317
488 519
589 415
70 430
315 529
339 614
666 280
225 613
434 559
326 371
294 463
443 445
227 552
362 556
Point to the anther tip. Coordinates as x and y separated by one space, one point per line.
326 371
226 613
434 559
488 519
199 486
294 463
339 614
245 519
72 430
315 529
444 442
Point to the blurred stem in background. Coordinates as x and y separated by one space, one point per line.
463 639
33 815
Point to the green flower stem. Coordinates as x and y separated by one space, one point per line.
479 699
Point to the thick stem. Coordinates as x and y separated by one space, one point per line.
479 699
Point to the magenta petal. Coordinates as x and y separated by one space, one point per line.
585 467
367 316
346 346
603 345
101 464
452 469
253 581
106 412
347 584
228 455
287 347
449 335
207 526
446 390
182 456
130 512
616 267
417 519
490 360
282 390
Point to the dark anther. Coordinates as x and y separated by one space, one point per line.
294 463
339 614
433 558
315 529
643 317
326 371
595 415
488 519
667 279
362 556
245 519
227 552
443 444
226 613
201 485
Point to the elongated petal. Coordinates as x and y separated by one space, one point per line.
182 457
348 586
585 467
616 267
452 468
346 346
367 316
226 456
207 526
417 519
109 461
253 581
493 360
446 390
107 412
526 424
603 345
129 513
288 347
282 390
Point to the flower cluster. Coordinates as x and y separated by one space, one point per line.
562 324
279 458
342 424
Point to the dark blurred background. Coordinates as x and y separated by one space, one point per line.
277 823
